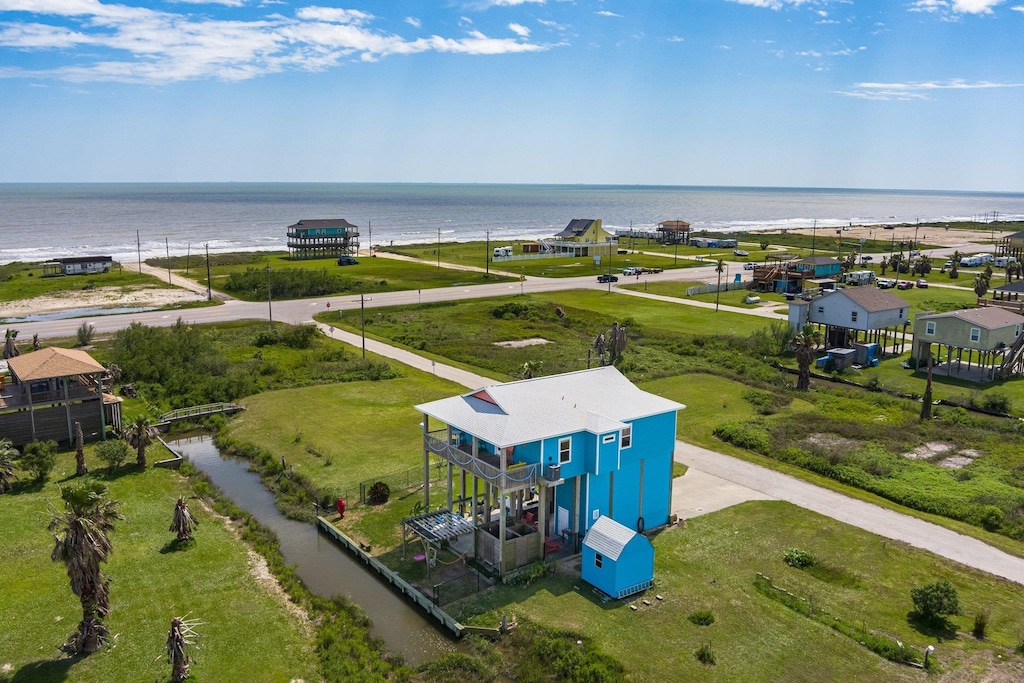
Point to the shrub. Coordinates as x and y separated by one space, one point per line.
705 655
991 518
935 599
84 334
378 494
981 620
39 458
702 617
114 453
799 559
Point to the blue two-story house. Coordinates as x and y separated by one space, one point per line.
535 463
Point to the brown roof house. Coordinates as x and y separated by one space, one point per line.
49 391
990 336
322 238
850 315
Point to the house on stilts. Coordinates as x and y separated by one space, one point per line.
990 336
532 465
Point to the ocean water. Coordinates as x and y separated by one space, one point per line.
44 221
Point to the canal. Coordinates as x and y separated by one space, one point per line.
325 568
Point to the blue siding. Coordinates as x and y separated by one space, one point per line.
634 566
626 507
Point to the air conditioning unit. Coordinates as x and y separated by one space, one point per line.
553 472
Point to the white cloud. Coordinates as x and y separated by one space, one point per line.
112 42
771 4
606 13
917 90
1018 8
226 3
509 3
975 6
929 6
554 25
519 30
676 39
414 22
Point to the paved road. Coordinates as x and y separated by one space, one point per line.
716 481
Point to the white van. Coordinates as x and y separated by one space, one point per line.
502 252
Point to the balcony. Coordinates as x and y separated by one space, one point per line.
485 466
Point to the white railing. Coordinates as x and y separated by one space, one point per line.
519 476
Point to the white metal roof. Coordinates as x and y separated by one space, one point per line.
599 400
608 537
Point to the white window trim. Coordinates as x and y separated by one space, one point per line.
565 455
975 335
626 438
929 328
607 438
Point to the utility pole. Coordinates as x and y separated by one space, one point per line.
209 284
814 235
487 253
270 306
188 255
167 251
439 248
362 319
369 227
138 246
609 268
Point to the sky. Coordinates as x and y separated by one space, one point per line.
925 94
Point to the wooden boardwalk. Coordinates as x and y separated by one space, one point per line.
198 411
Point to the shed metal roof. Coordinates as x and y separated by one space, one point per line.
322 223
608 537
597 400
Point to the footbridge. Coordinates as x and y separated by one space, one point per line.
195 412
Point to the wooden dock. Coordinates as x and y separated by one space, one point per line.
386 574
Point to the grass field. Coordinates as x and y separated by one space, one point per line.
711 563
209 580
25 281
369 275
473 253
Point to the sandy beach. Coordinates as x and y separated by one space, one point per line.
143 296
905 233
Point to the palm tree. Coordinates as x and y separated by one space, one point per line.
177 642
804 346
719 268
183 523
82 543
139 434
954 271
80 468
7 455
980 285
10 347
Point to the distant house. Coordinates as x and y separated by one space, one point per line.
583 237
861 314
713 242
616 560
78 265
1009 296
535 463
991 336
1011 245
674 232
322 238
50 390
784 274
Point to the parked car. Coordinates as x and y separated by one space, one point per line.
740 252
947 264
867 257
628 272
347 261
748 266
922 283
885 283
905 284
607 278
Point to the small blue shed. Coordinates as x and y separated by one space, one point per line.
617 560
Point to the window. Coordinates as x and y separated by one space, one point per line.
1016 330
821 309
853 316
564 450
598 560
608 438
975 335
929 327
627 437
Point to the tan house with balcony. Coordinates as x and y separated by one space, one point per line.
990 338
50 390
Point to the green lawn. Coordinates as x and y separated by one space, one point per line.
210 581
341 434
25 281
473 254
711 563
369 275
